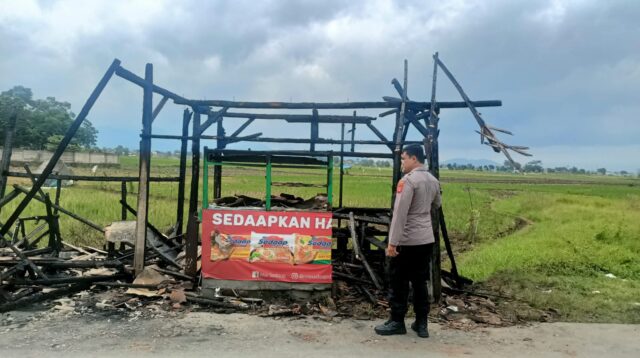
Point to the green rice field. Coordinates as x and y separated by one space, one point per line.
566 242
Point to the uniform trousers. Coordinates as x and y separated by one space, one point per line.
411 265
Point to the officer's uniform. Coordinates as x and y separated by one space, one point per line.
418 193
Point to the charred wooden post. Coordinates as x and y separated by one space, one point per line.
145 168
123 199
58 192
353 135
186 118
341 166
217 169
307 105
6 151
314 130
61 147
192 221
398 134
431 148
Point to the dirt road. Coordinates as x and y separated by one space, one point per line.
30 334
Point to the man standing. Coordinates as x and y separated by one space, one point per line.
411 243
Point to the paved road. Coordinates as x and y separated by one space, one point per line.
237 335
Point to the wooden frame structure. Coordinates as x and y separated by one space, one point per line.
201 115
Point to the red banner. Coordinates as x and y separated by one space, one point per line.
251 245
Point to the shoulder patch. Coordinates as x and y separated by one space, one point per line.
400 186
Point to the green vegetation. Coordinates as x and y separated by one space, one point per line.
547 239
41 123
580 253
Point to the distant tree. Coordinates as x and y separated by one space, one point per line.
121 150
511 167
534 166
39 121
54 141
366 162
383 164
601 171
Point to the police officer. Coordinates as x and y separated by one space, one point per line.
411 243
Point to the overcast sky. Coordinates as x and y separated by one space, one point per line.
567 72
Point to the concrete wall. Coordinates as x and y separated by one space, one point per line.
33 156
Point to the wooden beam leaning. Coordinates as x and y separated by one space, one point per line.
486 131
61 147
145 168
464 96
386 113
213 118
411 118
158 108
242 127
62 210
398 87
6 199
358 252
51 219
135 79
380 135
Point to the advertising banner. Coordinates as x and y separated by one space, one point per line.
251 245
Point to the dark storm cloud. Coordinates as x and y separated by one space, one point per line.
568 72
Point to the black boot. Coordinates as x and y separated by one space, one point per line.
421 328
391 327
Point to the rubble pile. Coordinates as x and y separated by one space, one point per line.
318 202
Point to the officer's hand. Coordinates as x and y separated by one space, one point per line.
391 251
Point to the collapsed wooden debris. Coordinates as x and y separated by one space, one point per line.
284 200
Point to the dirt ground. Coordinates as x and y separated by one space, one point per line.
68 333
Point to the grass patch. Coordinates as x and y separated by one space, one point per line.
562 258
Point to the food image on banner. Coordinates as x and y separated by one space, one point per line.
256 245
272 248
312 250
229 247
304 252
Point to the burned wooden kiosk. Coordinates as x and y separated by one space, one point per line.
355 229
